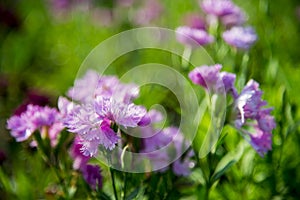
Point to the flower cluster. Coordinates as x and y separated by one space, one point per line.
155 145
45 119
223 12
249 114
105 104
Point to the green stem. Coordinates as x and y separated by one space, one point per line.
113 183
186 56
125 186
50 160
207 190
243 70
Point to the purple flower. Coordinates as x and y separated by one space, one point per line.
44 119
195 21
192 36
249 116
265 121
240 37
211 78
64 106
84 88
159 157
150 11
206 76
218 7
92 130
21 127
236 18
249 102
108 104
127 115
261 141
92 84
253 120
92 175
228 80
79 160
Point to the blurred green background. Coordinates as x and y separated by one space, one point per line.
42 46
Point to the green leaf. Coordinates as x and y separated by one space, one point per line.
227 161
5 182
133 194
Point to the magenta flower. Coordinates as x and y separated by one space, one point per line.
79 160
193 37
240 37
195 21
106 105
44 119
218 8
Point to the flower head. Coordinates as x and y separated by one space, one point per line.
92 130
106 105
211 78
218 7
150 11
249 101
261 141
236 18
80 160
193 37
240 37
92 85
36 118
195 21
154 146
252 119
